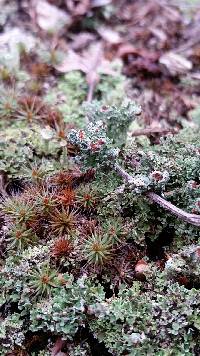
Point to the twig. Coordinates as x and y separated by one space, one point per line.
193 219
92 76
122 173
149 131
91 88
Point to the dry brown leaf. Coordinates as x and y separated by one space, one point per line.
91 60
56 350
175 63
98 3
73 61
91 63
78 8
50 18
82 40
160 34
109 35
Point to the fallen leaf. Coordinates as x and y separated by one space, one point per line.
127 48
82 41
98 3
73 61
50 18
160 34
142 65
78 8
175 63
91 63
90 60
56 350
109 35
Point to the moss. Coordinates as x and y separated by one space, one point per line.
160 322
71 92
73 235
22 147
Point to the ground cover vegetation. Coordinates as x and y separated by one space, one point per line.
99 178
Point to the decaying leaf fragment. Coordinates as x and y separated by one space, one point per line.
175 63
50 18
91 63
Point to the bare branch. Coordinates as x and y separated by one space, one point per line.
153 130
193 219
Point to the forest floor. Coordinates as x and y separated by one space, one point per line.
55 56
157 43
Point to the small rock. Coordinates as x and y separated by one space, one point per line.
140 269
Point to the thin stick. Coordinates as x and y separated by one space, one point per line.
122 173
90 93
193 219
152 130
